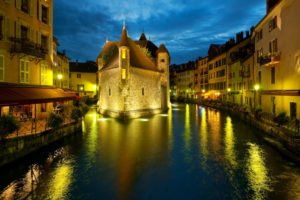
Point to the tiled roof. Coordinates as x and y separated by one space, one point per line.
162 49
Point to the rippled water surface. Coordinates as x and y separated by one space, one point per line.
191 153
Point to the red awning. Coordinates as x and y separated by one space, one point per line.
26 95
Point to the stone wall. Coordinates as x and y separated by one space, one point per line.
15 148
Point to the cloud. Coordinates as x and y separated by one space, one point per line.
187 29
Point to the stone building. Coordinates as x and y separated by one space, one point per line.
133 78
277 59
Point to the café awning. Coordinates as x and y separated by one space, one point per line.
30 95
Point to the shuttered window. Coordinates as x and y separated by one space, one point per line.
1 68
24 71
44 77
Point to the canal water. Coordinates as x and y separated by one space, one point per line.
192 152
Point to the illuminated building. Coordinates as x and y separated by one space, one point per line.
201 77
83 78
133 78
277 58
26 57
60 67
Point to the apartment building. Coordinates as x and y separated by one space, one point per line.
277 59
201 77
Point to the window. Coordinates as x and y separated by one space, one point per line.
273 24
43 107
273 75
1 68
109 92
24 33
25 6
143 91
78 75
274 45
162 60
44 14
44 76
259 77
24 71
44 40
123 53
123 74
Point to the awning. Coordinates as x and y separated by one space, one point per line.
30 95
281 92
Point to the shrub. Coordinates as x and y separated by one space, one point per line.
258 112
76 114
54 120
84 108
281 119
8 124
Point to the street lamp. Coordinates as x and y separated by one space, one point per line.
59 76
229 89
256 88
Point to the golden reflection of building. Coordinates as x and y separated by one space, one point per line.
257 173
214 121
132 147
203 137
230 155
187 135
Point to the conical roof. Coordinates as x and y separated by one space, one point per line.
162 49
143 37
124 38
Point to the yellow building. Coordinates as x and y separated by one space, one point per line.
201 77
26 56
277 60
217 73
185 74
83 78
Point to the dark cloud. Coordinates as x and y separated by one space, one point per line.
187 29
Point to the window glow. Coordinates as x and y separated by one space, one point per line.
123 73
59 76
123 53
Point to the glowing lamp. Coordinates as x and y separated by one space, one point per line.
256 87
95 87
59 76
229 89
203 91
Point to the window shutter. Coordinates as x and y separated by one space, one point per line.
7 28
32 7
1 68
22 72
50 15
40 11
18 4
39 35
31 35
18 30
27 72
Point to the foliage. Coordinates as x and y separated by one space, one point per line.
84 108
281 119
54 120
8 124
258 112
76 114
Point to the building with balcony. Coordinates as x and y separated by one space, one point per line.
277 58
26 59
83 78
201 77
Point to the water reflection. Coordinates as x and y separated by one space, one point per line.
257 173
229 144
203 135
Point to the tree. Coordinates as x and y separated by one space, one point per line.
8 125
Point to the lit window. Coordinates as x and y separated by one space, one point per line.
123 53
123 73
24 71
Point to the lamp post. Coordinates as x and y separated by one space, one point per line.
59 76
256 88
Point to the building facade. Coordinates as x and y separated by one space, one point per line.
201 78
84 79
133 78
277 59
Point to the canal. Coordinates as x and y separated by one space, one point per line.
193 152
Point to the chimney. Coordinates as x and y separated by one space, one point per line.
237 38
247 34
242 36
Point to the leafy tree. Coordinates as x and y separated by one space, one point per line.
281 119
54 120
8 125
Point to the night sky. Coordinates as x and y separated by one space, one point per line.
187 29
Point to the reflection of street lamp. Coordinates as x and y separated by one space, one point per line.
59 76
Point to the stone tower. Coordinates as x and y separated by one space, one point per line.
163 62
124 64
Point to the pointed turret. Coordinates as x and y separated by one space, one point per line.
143 37
162 49
124 38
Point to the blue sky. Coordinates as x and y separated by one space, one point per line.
186 27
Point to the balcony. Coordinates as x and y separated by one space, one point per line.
27 47
270 59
